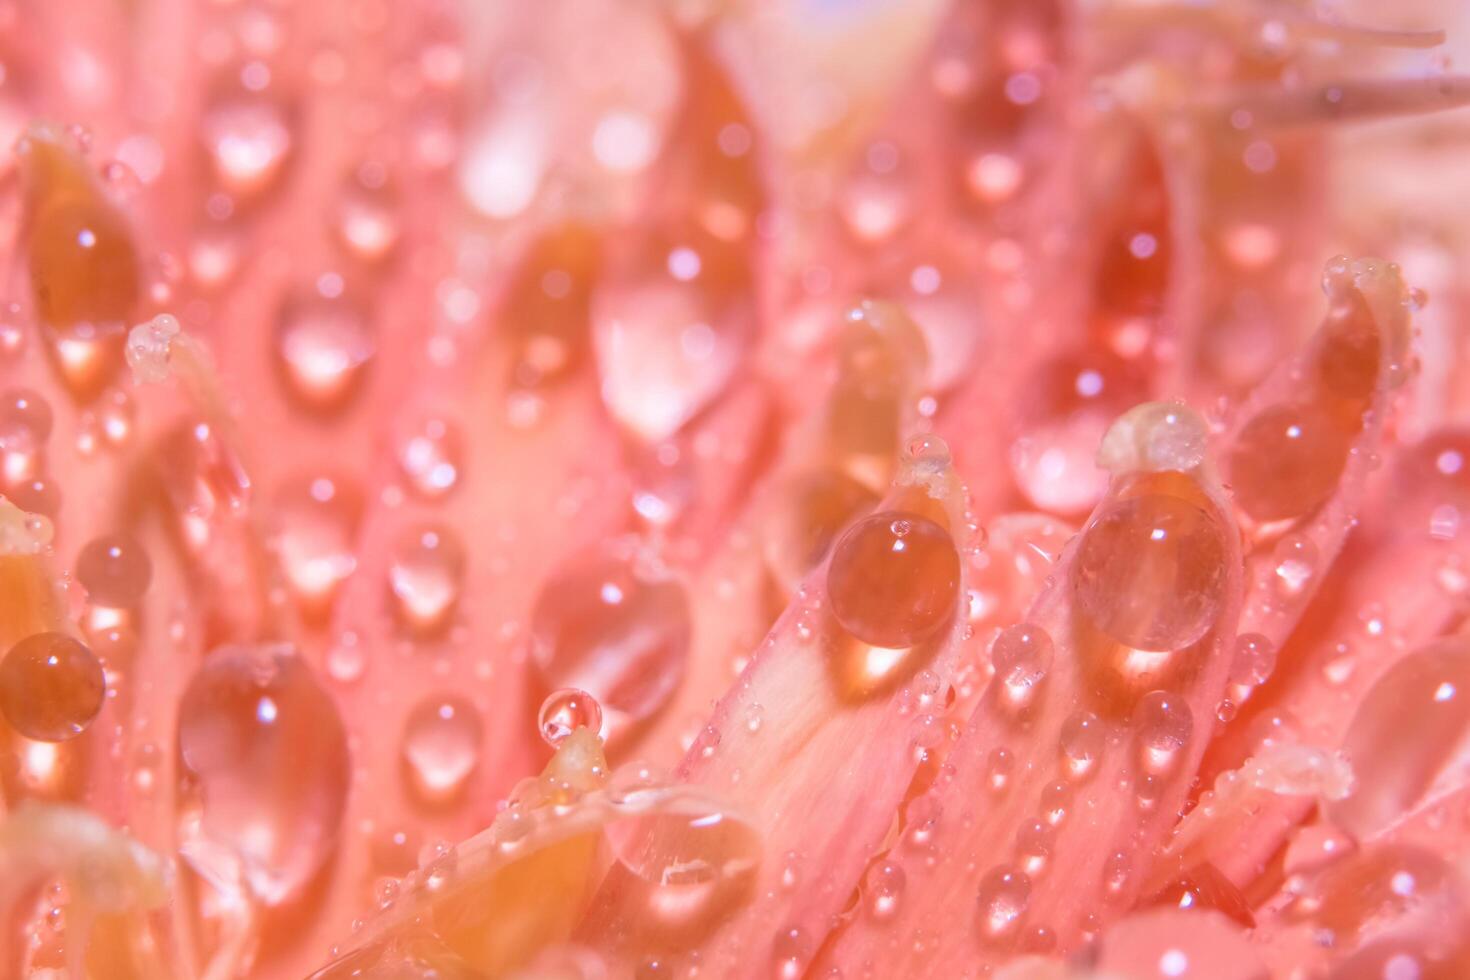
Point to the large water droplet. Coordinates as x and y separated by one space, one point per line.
51 687
615 629
894 579
1150 572
115 570
441 747
1287 461
265 755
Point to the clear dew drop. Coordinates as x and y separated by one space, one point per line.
1162 723
791 951
366 216
1082 741
248 140
323 343
425 578
431 456
441 747
1255 659
1021 656
1005 894
115 570
1034 842
265 757
565 711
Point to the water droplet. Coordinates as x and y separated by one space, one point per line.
441 747
248 140
1004 896
1055 799
811 510
323 344
1000 765
1115 874
1021 656
314 540
115 571
367 213
346 659
425 578
51 687
1034 842
1150 571
25 425
1287 461
1295 558
1163 724
565 711
790 951
1255 658
431 455
883 888
894 579
265 748
1154 437
1081 742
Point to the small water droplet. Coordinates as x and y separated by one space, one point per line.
441 747
51 687
431 455
1021 656
565 711
1081 743
115 571
1296 563
884 885
425 578
1005 894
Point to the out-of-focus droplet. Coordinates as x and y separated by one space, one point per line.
1034 842
431 455
314 539
1396 761
616 630
366 216
809 513
1154 437
1255 658
894 579
51 687
1375 885
262 745
1162 723
1005 894
1296 561
1081 742
115 570
883 888
547 312
249 140
323 343
1287 461
1150 571
441 747
25 425
565 711
1065 413
425 578
1021 656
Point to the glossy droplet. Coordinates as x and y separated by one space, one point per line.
894 579
883 888
314 540
1287 461
811 510
1150 572
249 140
367 213
441 747
565 711
881 357
1034 843
1405 732
115 570
790 952
1162 723
425 578
322 346
263 746
1081 743
1021 656
1255 658
616 630
547 312
1154 437
51 687
1373 886
1005 894
431 455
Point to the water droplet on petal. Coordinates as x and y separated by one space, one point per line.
248 140
115 571
1005 894
431 455
884 885
366 215
1287 461
314 540
1081 742
441 747
265 754
425 578
565 711
323 344
1163 724
1021 656
894 579
51 687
